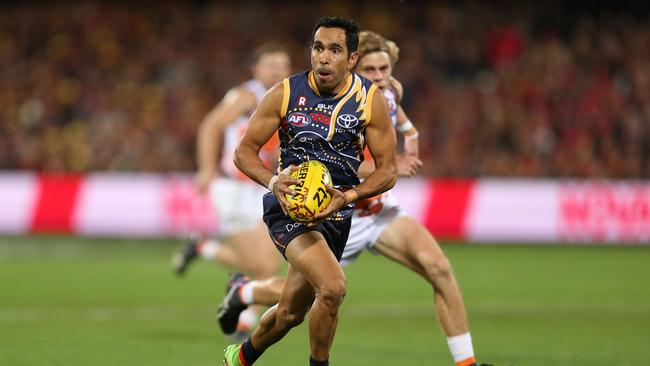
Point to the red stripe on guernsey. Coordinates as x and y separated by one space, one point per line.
56 201
447 208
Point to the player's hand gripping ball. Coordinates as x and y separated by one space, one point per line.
312 197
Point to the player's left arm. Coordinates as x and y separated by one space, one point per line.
404 125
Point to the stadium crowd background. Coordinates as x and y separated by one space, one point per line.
535 89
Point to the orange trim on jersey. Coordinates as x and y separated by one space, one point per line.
285 97
466 362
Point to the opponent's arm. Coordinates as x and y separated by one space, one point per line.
210 137
261 127
404 125
407 166
411 135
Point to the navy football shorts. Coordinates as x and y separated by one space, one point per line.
283 229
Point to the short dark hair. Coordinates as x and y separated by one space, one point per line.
350 27
265 48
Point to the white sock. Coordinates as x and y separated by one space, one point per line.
246 292
461 347
208 249
247 320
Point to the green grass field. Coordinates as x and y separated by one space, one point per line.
70 301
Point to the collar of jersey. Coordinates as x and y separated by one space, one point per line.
312 85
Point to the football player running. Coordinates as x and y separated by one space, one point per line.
326 114
381 226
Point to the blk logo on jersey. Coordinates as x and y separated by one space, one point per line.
347 121
298 119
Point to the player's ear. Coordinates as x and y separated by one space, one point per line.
352 61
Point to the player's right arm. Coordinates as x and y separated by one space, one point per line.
209 142
261 127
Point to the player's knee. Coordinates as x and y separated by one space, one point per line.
437 268
332 293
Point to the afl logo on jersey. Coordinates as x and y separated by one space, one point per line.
298 119
347 121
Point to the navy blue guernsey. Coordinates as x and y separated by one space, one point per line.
327 128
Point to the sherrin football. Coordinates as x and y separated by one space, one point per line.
312 197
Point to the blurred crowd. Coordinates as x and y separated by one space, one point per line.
539 89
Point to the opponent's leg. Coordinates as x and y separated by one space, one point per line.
208 249
257 256
407 242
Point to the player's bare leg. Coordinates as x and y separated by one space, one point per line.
257 256
409 243
322 285
209 249
248 251
267 292
289 312
328 281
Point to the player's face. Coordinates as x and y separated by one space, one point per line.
271 68
330 59
376 66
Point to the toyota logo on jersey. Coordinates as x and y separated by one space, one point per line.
298 119
347 121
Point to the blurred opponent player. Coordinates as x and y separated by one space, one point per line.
236 198
380 225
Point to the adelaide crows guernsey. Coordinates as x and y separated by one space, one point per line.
327 128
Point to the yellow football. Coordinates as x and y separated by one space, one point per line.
312 197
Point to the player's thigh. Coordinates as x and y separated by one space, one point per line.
257 249
409 243
254 241
310 255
